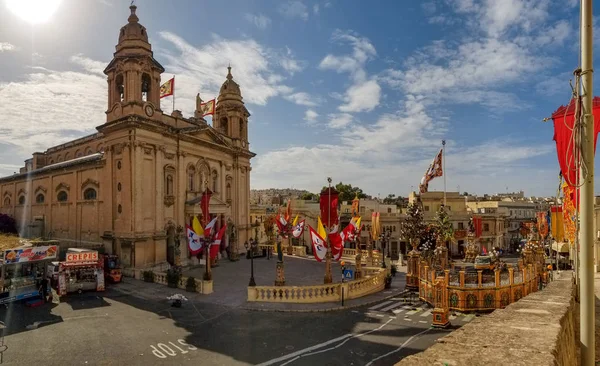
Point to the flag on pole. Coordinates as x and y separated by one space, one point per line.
298 229
197 227
194 241
318 244
167 88
435 170
216 244
204 204
207 108
209 228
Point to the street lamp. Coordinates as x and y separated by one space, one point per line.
384 237
252 247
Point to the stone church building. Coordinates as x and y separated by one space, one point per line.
128 186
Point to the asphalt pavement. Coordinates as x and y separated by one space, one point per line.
120 327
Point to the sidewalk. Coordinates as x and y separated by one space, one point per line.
230 285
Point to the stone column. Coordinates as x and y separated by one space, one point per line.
358 265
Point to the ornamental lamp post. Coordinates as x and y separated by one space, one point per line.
252 247
384 237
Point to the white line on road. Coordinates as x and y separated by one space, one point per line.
303 353
380 305
468 318
396 305
397 311
379 315
399 348
427 313
413 312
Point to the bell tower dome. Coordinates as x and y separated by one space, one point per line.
231 116
133 75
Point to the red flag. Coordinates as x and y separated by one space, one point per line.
318 244
564 118
216 244
328 204
478 223
204 205
168 88
337 245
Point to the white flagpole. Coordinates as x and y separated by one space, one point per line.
444 167
173 86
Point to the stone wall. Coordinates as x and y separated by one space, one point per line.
539 330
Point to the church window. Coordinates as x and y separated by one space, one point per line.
119 165
39 198
78 154
120 209
67 156
59 158
169 185
215 181
119 187
62 196
51 161
146 82
241 128
88 151
224 125
7 202
120 88
21 200
89 194
191 178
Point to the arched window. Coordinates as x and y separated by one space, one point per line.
88 151
120 88
89 194
241 128
191 178
224 125
146 82
7 202
78 154
169 185
59 159
215 181
62 196
21 200
67 156
228 192
39 198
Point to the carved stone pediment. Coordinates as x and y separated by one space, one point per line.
90 182
7 194
40 188
21 191
62 186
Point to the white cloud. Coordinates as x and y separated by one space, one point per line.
294 9
203 69
50 107
259 20
428 7
339 120
362 97
364 93
316 8
310 116
6 47
302 98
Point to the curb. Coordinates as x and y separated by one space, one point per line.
337 308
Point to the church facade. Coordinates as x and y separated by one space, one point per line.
127 187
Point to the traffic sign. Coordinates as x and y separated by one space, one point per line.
348 274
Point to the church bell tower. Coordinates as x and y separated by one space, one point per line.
231 116
133 75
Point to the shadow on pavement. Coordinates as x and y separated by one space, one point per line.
86 300
19 318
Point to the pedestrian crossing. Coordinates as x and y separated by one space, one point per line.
419 312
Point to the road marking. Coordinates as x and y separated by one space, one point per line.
397 311
399 348
426 313
307 351
468 318
452 317
380 305
161 350
423 321
354 311
396 305
379 315
413 312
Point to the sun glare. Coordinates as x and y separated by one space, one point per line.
33 11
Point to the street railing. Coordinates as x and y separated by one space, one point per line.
373 281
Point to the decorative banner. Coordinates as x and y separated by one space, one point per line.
318 244
328 204
557 227
194 241
30 254
167 88
298 229
204 205
569 213
478 224
542 224
207 108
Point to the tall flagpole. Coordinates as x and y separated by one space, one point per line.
328 278
444 167
586 198
173 86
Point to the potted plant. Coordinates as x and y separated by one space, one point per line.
190 284
148 276
388 281
173 277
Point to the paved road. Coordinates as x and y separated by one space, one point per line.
116 328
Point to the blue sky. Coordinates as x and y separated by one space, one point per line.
361 92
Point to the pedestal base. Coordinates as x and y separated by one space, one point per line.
440 318
280 274
412 282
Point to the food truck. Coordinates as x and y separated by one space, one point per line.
23 272
82 270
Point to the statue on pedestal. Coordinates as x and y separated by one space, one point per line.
279 269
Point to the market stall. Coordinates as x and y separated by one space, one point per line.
24 272
82 270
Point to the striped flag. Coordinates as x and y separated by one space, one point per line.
167 88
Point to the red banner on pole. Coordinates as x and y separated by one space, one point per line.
328 204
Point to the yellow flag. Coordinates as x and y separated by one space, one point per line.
295 222
197 226
358 223
320 228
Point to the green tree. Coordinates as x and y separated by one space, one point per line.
413 228
308 196
392 199
347 192
443 226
